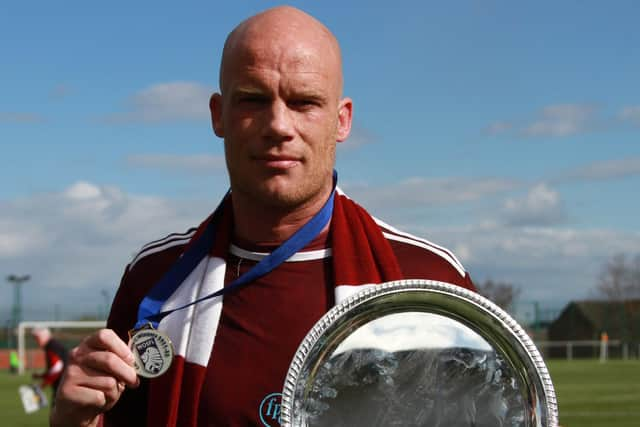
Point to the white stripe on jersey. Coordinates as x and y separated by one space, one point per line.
168 244
440 250
300 256
401 236
171 236
436 251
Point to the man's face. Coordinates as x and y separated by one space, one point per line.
280 114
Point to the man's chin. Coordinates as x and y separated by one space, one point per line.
282 198
281 192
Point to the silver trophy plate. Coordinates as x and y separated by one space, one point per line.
418 353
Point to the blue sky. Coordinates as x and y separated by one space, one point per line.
508 132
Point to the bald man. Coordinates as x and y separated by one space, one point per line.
237 294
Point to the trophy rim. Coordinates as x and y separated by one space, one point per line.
502 327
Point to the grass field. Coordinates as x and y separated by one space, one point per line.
597 394
11 411
589 394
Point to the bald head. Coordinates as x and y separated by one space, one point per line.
281 113
276 33
41 335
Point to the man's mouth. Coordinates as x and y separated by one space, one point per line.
278 161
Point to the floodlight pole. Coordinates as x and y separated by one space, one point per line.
17 296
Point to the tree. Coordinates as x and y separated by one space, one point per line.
501 293
619 278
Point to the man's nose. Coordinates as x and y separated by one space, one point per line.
280 121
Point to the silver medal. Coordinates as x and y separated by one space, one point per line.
152 351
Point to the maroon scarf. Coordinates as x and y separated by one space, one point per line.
361 255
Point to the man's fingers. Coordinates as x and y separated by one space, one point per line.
87 397
106 339
104 351
98 380
105 391
97 363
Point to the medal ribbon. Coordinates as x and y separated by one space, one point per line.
149 310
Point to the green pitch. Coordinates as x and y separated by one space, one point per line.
11 410
589 394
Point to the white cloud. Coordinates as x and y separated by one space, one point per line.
82 190
550 264
163 102
558 120
18 237
631 114
194 164
76 242
609 169
497 128
524 240
418 191
540 206
561 120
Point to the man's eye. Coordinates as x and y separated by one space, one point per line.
302 103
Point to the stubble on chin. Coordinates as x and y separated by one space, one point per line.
286 198
282 197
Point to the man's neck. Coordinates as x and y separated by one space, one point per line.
266 225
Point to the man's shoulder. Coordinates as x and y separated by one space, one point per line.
169 245
146 268
152 261
420 258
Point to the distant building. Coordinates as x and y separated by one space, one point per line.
587 320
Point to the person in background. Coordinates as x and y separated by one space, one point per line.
14 362
55 355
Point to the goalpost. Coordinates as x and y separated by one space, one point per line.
23 326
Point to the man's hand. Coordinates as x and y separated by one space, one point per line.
97 372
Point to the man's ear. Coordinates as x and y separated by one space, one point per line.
215 106
345 116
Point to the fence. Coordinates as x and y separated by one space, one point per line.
582 349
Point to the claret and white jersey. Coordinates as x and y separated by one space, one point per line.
260 325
